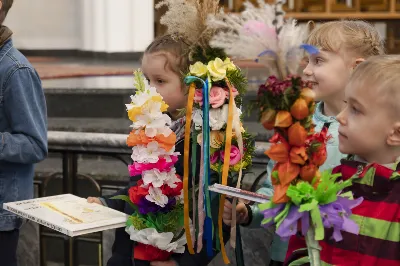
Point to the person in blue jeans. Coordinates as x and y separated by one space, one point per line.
23 134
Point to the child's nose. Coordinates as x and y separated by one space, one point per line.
341 117
307 70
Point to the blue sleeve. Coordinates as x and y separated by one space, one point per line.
266 189
25 109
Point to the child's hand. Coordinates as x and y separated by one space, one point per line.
163 263
242 215
94 200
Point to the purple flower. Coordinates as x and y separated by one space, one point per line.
289 226
271 213
146 206
336 215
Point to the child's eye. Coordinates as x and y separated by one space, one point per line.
160 81
318 60
354 110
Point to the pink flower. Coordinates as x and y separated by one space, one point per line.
214 157
162 164
217 97
198 97
234 156
234 92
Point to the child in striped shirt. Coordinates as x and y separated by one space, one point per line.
370 131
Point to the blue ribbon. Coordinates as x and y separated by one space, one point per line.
208 224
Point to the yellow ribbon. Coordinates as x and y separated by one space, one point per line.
189 110
225 169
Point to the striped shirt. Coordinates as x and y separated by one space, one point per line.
378 216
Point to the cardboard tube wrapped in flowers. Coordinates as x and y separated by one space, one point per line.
157 199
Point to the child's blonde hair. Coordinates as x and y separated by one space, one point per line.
380 73
358 37
175 51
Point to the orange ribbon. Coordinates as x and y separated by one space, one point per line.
189 110
225 170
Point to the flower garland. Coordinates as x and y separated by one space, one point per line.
301 192
157 221
216 89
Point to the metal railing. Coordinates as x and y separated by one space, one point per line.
72 144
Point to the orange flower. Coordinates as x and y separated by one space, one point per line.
268 119
139 138
298 155
308 172
278 152
287 172
308 95
280 194
283 119
297 134
299 109
319 156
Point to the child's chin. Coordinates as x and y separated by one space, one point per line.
345 150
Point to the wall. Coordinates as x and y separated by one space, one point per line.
89 25
45 24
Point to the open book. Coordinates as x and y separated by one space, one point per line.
68 214
239 193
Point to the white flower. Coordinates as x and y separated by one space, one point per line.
150 236
152 118
157 178
141 98
155 195
146 154
218 117
197 117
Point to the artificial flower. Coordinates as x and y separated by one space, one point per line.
234 92
308 172
218 117
283 119
280 194
217 69
298 155
197 117
229 64
297 135
172 191
151 153
319 155
139 137
268 119
279 152
216 139
214 158
308 95
217 97
150 236
158 178
155 195
163 163
198 97
136 193
299 109
146 206
151 117
234 156
198 69
287 172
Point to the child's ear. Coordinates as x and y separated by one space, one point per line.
358 61
394 136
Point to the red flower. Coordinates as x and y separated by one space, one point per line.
136 193
172 192
319 156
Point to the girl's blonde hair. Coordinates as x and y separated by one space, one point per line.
175 51
358 37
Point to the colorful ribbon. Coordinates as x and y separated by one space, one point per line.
189 110
225 171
